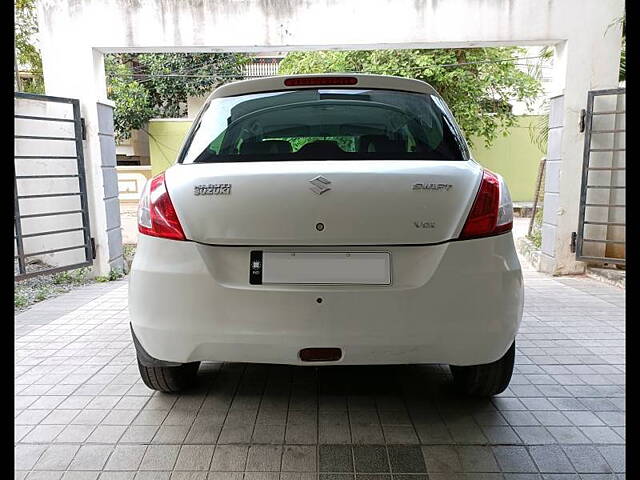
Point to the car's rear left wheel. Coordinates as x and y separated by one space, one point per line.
488 379
169 379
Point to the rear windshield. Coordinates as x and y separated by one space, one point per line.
324 124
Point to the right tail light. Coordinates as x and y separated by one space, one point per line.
492 211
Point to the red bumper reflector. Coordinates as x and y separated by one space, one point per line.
312 81
320 354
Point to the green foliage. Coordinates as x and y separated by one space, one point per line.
114 274
345 143
536 231
129 251
539 131
70 277
41 295
38 288
27 55
156 85
203 72
623 61
133 103
477 83
622 22
20 300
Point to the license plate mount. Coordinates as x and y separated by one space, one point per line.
320 268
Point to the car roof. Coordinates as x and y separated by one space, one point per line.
364 81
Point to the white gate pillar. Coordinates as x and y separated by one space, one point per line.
79 73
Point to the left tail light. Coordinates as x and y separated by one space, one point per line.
156 215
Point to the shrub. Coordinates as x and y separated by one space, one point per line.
536 231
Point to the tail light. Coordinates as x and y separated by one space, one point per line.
492 211
156 215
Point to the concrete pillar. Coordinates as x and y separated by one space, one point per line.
79 73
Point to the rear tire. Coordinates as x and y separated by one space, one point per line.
169 379
488 379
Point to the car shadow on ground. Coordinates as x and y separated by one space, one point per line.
387 387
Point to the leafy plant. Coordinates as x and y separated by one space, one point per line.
623 61
622 21
114 274
536 231
345 143
27 54
129 251
539 129
41 295
20 300
133 102
40 287
70 277
477 83
157 85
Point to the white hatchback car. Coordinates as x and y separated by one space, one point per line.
322 220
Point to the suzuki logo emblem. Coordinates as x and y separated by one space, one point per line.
320 185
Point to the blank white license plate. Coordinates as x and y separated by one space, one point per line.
367 268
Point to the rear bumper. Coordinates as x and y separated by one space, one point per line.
458 303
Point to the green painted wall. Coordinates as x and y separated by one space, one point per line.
165 140
514 157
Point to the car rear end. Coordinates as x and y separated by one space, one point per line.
325 219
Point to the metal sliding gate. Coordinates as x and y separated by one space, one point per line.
51 217
601 225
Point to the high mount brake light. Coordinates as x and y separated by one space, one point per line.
313 81
156 215
492 211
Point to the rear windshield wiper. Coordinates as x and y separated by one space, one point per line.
206 156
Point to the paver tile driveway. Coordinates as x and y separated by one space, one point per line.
82 411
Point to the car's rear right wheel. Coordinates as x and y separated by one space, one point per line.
488 379
169 379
